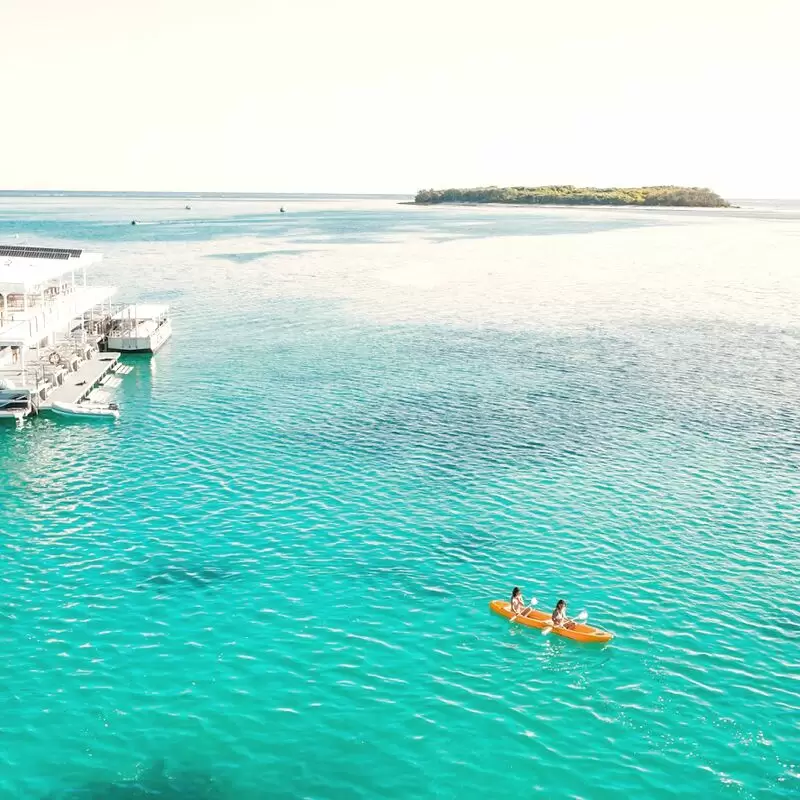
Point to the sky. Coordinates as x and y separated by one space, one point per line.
379 96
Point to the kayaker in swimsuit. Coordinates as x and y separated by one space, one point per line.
518 606
560 616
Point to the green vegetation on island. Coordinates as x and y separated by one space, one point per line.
576 195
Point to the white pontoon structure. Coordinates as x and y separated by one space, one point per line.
141 328
45 312
55 332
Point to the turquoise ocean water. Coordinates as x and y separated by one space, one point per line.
270 579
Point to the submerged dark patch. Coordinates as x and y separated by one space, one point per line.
154 782
200 577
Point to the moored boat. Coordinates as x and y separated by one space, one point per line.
86 410
141 328
541 620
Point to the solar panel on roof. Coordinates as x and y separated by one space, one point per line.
22 251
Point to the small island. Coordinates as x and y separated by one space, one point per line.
690 196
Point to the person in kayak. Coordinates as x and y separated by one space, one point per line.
518 604
560 619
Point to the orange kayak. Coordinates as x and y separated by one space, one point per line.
541 619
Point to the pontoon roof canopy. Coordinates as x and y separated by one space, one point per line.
22 268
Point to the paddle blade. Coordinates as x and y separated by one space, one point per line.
547 630
582 617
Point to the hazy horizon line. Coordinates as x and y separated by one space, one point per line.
197 193
272 194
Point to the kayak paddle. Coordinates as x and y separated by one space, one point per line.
582 617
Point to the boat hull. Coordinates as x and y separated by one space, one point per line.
541 619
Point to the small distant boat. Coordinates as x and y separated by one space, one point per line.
133 222
188 208
283 210
109 410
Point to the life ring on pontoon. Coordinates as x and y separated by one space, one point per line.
54 358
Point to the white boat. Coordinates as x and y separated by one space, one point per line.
139 329
85 409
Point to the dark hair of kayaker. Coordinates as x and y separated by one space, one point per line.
515 592
561 603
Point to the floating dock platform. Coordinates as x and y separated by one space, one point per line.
79 384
